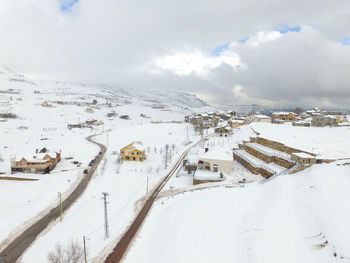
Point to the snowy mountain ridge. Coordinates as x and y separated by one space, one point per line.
117 94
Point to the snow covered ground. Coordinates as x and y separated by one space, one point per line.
38 126
293 218
326 142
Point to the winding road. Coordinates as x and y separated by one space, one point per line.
123 244
16 248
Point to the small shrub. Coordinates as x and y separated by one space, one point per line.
73 253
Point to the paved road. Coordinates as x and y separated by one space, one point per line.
121 248
15 249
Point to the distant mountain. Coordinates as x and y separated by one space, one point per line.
118 94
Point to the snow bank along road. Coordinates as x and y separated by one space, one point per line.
15 249
122 246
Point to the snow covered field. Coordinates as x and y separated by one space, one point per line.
38 126
326 142
293 218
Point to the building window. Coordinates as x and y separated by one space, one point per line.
122 151
137 153
132 153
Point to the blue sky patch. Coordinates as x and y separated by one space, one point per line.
286 29
243 40
216 52
345 41
66 6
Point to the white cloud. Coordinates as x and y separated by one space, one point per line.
121 42
197 62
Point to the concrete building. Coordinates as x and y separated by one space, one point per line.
285 116
215 161
259 118
319 120
223 131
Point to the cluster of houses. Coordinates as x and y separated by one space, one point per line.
259 156
320 118
230 119
86 124
223 121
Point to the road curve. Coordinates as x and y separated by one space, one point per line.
122 246
17 247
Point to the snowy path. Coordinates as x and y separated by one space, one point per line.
123 244
14 250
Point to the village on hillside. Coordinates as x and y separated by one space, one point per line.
131 150
223 153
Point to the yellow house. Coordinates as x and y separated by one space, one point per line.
133 152
286 116
237 123
340 119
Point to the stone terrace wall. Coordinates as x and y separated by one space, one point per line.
282 162
267 158
251 168
279 146
261 156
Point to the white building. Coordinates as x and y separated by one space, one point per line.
216 160
259 118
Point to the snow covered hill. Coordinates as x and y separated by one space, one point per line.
297 218
292 218
41 112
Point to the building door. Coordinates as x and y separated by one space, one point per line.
134 158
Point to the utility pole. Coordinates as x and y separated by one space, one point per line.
60 196
166 155
84 249
106 215
187 138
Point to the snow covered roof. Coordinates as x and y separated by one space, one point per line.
134 146
237 121
331 116
217 154
283 113
261 116
207 175
38 157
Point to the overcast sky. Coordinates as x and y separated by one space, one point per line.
271 52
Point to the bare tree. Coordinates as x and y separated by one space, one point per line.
298 110
166 155
73 253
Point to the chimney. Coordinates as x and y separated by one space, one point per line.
36 151
206 149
